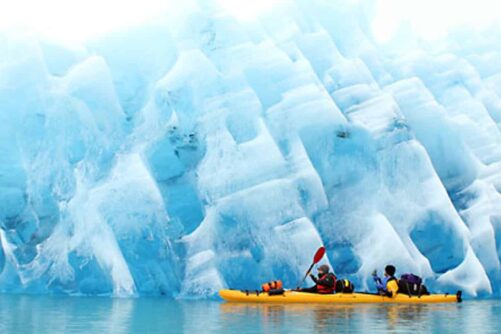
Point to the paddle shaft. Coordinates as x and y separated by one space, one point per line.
318 256
306 275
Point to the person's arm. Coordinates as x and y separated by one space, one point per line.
379 283
377 280
313 278
392 288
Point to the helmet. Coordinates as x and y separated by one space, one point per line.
324 268
390 270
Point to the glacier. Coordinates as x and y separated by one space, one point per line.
197 152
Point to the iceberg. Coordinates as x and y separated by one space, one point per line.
199 152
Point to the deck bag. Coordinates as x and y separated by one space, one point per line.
273 285
344 286
276 292
412 285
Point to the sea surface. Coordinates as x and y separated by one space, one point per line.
43 314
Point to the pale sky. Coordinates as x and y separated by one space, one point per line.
76 21
431 19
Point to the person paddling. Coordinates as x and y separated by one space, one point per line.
388 286
325 283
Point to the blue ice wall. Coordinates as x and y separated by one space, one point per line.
199 152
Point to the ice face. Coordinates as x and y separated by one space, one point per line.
201 152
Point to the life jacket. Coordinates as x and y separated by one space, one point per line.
322 289
387 291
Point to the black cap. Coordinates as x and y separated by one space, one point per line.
390 270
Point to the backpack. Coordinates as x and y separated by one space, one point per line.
412 285
344 286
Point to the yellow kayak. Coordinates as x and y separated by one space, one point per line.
344 298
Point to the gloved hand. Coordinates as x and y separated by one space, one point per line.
374 273
310 274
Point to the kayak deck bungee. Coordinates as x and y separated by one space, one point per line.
346 298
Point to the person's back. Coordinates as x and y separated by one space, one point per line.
391 286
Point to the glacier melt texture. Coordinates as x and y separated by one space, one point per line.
197 152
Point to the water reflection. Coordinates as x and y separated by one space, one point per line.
317 317
360 318
29 314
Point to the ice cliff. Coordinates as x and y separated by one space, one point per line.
200 152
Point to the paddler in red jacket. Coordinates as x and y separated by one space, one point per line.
325 283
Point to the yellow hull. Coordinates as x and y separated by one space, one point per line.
342 298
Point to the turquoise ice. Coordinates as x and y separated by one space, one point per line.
200 152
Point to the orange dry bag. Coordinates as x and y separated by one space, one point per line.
273 285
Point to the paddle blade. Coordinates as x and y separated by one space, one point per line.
319 254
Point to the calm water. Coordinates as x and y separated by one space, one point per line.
28 314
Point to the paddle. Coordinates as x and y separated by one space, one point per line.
318 256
